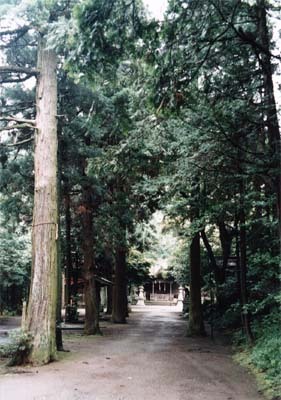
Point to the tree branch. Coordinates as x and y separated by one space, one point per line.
18 143
19 126
211 255
19 120
19 31
16 79
18 70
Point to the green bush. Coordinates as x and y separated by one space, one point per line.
266 356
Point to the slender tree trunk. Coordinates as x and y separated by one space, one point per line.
68 256
195 322
270 104
59 340
119 306
41 315
195 316
243 268
75 274
88 267
238 270
109 288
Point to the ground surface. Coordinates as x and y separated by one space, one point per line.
149 358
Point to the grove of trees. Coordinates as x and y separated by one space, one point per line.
107 116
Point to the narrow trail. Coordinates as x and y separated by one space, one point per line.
149 358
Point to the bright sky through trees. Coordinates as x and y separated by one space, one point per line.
156 7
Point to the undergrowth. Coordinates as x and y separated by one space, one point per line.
263 358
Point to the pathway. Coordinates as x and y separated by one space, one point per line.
149 358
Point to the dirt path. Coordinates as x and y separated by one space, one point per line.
149 358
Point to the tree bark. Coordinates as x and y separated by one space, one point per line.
59 340
195 322
88 267
68 256
41 315
195 316
119 306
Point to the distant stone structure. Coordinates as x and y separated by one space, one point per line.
140 301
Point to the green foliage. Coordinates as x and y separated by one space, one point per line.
137 268
180 264
15 265
102 34
264 357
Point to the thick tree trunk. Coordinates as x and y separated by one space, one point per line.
88 268
195 322
119 306
41 315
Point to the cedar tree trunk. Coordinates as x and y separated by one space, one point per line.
119 306
68 256
41 315
88 266
195 322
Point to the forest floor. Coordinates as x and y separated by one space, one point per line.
148 358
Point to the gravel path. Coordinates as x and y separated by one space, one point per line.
149 358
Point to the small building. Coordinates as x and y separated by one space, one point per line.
161 290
